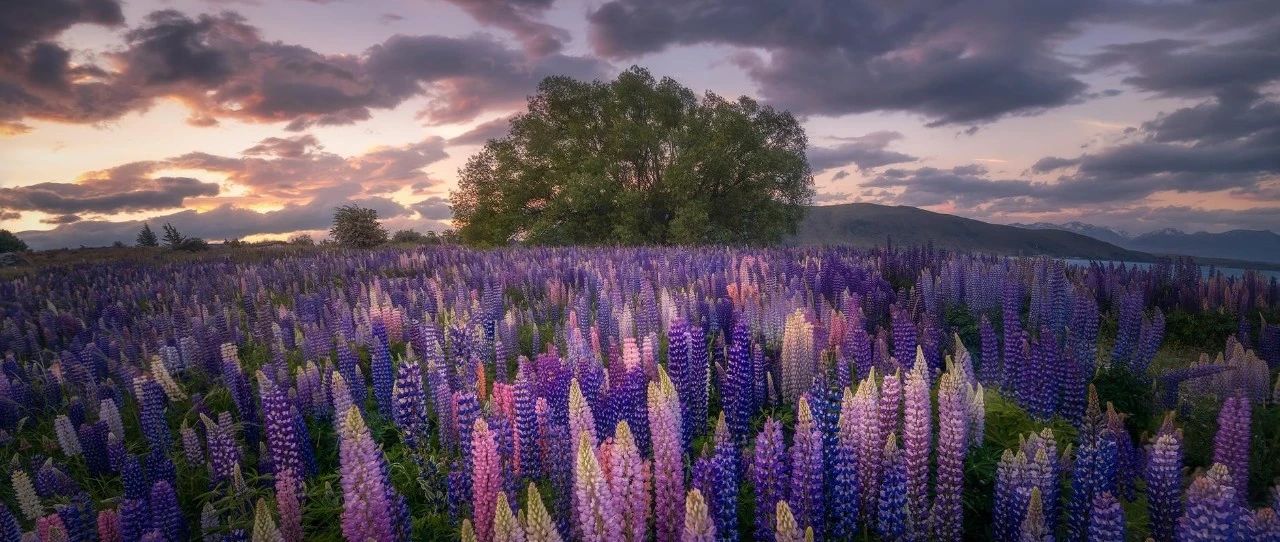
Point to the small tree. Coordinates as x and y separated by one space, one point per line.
357 227
146 237
192 244
10 242
171 236
302 239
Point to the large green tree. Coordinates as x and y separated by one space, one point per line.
636 161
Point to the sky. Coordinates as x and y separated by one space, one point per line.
253 119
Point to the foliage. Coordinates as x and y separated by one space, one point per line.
193 244
636 161
357 227
171 236
414 237
11 243
302 240
147 237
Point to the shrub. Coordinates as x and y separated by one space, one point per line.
302 240
10 242
192 244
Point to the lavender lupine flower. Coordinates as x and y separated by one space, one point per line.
224 452
410 402
282 440
349 370
844 482
380 368
108 412
893 509
166 516
668 462
289 508
1164 481
1231 442
538 526
917 440
1213 510
134 519
904 336
597 514
68 440
871 446
890 405
697 387
11 532
806 493
697 526
1106 521
629 480
365 504
953 441
769 477
154 426
486 478
191 448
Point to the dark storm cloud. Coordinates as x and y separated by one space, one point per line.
9 215
224 222
61 219
220 67
520 18
1192 69
433 208
124 188
866 152
954 62
963 62
23 22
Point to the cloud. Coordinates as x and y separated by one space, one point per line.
9 215
952 62
223 222
483 132
842 174
520 18
24 23
220 67
433 208
125 188
1182 68
866 152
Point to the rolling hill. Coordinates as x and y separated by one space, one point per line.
868 224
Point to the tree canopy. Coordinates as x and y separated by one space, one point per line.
636 161
357 227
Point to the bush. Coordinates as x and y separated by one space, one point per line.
192 244
302 240
10 242
357 227
408 236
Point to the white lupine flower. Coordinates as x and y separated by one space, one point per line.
162 376
68 440
26 495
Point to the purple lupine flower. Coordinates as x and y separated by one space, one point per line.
410 402
282 440
1231 442
1213 510
365 504
224 452
724 483
134 519
1106 521
108 526
917 440
349 368
892 507
769 477
953 442
166 516
806 495
526 424
154 426
738 395
904 336
845 489
383 374
10 531
1034 527
1164 482
1011 309
989 371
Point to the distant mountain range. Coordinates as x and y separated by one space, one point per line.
868 224
1247 245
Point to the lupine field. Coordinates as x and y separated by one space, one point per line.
638 394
